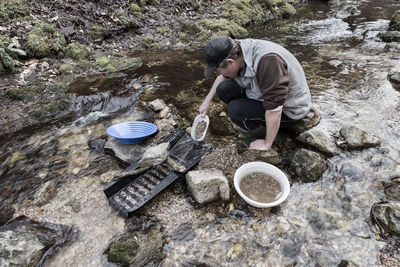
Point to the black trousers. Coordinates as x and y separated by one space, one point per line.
247 113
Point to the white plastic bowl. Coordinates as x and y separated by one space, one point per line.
268 169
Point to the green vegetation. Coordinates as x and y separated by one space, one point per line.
9 51
394 24
116 63
12 9
150 43
44 40
223 25
52 109
23 93
136 11
76 51
66 68
162 30
98 33
280 8
242 12
123 251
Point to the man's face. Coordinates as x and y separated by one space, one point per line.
230 70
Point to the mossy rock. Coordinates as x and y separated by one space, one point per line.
127 21
150 43
12 9
136 11
273 3
66 68
52 109
197 5
6 62
98 33
44 40
221 25
113 63
23 93
190 27
162 30
123 251
76 51
394 24
286 11
242 12
141 3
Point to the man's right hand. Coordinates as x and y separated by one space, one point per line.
204 107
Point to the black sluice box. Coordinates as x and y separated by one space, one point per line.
129 193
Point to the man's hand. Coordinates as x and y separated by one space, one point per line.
259 144
204 107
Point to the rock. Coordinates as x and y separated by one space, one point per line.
320 140
357 139
174 165
137 249
125 153
45 193
166 125
388 216
165 112
154 155
235 251
390 36
394 24
207 185
395 78
394 47
24 242
270 156
157 105
312 119
308 165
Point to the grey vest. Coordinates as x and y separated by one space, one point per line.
298 102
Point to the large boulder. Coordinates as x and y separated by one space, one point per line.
308 165
388 216
354 138
207 185
269 156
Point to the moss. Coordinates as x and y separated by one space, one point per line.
98 33
44 40
50 110
190 27
242 11
66 68
222 25
123 251
76 51
136 10
394 24
273 3
12 9
129 62
22 93
126 20
150 43
162 30
154 2
141 3
286 11
60 87
6 61
102 62
197 5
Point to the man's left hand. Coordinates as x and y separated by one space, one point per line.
259 144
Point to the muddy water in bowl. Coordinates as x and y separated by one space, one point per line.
260 187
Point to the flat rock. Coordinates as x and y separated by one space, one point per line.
157 105
207 185
321 140
355 138
312 119
269 156
126 153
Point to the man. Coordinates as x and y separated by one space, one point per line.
263 84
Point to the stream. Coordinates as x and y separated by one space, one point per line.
323 223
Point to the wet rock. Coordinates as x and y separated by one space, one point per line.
395 78
390 36
270 156
174 165
388 216
154 155
354 138
125 153
394 47
138 249
320 140
165 112
24 242
308 165
235 251
312 119
45 193
394 24
184 232
6 214
207 185
157 105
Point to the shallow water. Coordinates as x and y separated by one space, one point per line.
322 223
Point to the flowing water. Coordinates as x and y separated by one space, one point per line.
322 223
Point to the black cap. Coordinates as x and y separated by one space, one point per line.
216 51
